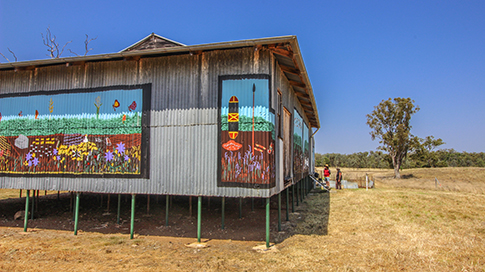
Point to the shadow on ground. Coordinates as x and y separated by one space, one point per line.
98 213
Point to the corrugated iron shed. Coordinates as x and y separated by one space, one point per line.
183 113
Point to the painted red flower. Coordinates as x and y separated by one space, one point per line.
232 146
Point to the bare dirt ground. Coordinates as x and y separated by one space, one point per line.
56 213
406 225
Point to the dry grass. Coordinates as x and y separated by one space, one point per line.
459 179
405 225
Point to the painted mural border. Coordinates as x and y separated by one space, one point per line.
145 131
221 78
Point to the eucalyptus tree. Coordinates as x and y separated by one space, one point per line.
390 123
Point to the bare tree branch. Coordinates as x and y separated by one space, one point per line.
63 48
86 43
4 57
12 53
52 46
72 52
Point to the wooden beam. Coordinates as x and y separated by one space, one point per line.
133 58
290 70
297 84
282 52
306 105
302 95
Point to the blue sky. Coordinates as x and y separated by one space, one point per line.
357 53
72 103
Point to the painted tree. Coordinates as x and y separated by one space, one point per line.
390 123
51 108
98 104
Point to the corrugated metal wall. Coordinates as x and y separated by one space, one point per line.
183 122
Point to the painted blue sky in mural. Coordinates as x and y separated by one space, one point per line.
80 104
243 90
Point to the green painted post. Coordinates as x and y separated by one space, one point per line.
33 205
76 214
308 185
132 224
240 207
26 217
293 198
297 194
301 190
119 210
279 212
267 222
287 203
199 218
304 186
223 211
167 202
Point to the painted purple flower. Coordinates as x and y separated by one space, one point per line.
58 158
35 161
120 147
55 151
127 158
30 163
108 155
28 156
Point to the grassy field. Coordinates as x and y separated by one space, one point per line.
406 225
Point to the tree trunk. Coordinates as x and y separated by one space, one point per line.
397 164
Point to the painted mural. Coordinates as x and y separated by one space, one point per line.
298 156
247 133
306 150
73 133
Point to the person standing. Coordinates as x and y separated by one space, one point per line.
338 179
326 175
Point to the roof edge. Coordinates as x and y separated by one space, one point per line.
157 51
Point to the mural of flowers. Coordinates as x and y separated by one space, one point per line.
120 148
77 140
247 133
108 156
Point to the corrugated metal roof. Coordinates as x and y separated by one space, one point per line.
284 48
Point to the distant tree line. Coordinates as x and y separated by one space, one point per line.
416 159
